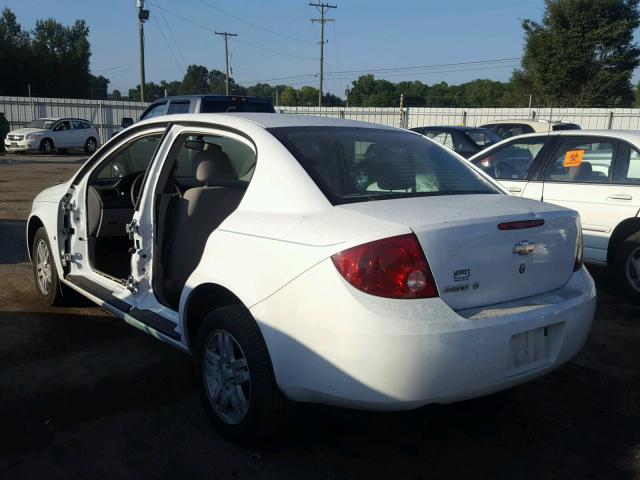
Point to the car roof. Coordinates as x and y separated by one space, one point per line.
629 135
265 120
210 97
55 119
526 122
462 128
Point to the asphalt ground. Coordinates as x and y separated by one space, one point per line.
83 395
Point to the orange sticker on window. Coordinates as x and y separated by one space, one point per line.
573 158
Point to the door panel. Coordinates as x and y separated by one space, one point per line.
62 134
578 176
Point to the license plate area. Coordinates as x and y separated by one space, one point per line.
533 349
14 144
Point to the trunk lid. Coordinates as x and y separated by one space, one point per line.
473 262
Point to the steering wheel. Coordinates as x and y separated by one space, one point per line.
137 184
135 189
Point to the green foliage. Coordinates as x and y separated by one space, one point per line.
582 54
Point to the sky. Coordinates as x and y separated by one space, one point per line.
276 39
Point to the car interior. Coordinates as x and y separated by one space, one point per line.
211 175
112 192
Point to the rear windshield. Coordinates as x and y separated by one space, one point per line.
566 126
236 105
483 137
364 164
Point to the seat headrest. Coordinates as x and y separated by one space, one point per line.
213 166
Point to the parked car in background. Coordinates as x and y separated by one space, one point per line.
466 141
596 173
48 134
346 263
202 104
512 128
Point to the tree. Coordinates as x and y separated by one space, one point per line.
289 97
582 54
115 95
14 52
196 80
98 87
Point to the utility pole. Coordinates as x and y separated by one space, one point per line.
143 15
226 35
322 8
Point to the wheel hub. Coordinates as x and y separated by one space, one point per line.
226 377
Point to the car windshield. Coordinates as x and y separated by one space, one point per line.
363 164
483 137
40 123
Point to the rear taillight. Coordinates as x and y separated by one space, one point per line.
579 251
393 267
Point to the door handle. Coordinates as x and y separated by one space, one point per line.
514 189
619 196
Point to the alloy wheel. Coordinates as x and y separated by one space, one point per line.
44 274
632 269
226 377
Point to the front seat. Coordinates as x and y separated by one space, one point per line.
196 215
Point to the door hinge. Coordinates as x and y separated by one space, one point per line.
131 285
65 259
132 228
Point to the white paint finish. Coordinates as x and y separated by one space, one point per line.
367 352
602 206
330 342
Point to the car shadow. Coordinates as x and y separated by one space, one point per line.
13 245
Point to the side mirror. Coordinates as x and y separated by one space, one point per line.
126 122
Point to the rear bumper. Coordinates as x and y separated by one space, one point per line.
339 346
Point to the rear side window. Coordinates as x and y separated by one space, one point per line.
77 124
443 138
581 160
512 161
178 107
482 137
154 111
627 168
235 105
363 164
86 125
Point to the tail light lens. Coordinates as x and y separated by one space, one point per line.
579 251
393 267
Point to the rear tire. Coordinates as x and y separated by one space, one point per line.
46 146
47 282
626 268
90 145
238 388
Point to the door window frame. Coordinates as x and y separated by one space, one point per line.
588 139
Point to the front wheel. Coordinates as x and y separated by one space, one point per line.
46 146
48 287
90 145
236 379
627 267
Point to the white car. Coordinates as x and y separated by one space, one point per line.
596 173
312 259
46 134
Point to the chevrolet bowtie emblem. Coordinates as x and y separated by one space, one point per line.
525 247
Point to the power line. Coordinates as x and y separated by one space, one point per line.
177 47
204 27
323 8
180 68
373 70
255 25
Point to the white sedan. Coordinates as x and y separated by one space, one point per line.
46 134
315 260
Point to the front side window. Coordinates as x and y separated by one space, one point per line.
132 158
627 168
62 126
512 161
363 164
581 160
